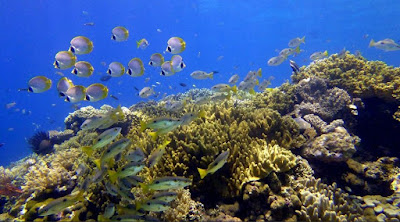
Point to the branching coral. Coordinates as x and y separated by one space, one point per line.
321 202
243 131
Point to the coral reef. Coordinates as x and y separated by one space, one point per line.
241 130
40 143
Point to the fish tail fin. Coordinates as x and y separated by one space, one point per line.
143 126
259 72
234 89
228 97
154 135
202 172
202 114
303 40
98 163
257 82
326 53
252 91
165 143
211 75
88 150
144 187
371 43
137 44
112 175
297 50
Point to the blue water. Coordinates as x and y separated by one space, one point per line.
228 36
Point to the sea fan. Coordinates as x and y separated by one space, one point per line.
40 143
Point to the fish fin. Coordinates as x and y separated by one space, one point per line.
211 75
303 40
228 97
112 175
326 53
234 89
143 126
257 82
154 135
252 91
144 187
371 43
297 50
88 150
202 172
259 72
137 44
202 114
98 163
165 143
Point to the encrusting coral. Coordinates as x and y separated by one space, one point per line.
359 77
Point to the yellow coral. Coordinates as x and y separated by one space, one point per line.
361 78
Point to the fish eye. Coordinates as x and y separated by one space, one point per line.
72 49
57 64
113 37
157 182
75 71
61 94
182 65
130 71
148 203
68 99
30 89
109 71
87 98
162 72
65 200
169 48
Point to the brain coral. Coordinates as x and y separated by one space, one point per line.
244 131
360 78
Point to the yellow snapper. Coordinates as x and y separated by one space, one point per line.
202 75
189 117
143 43
119 34
116 69
217 164
81 45
166 69
136 155
75 94
166 183
153 206
264 85
319 55
63 85
223 88
159 123
165 196
156 155
289 51
296 42
129 169
177 63
104 121
39 84
59 204
276 61
386 45
113 150
176 45
106 137
252 75
64 60
83 69
135 67
96 92
146 92
175 105
233 80
156 60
